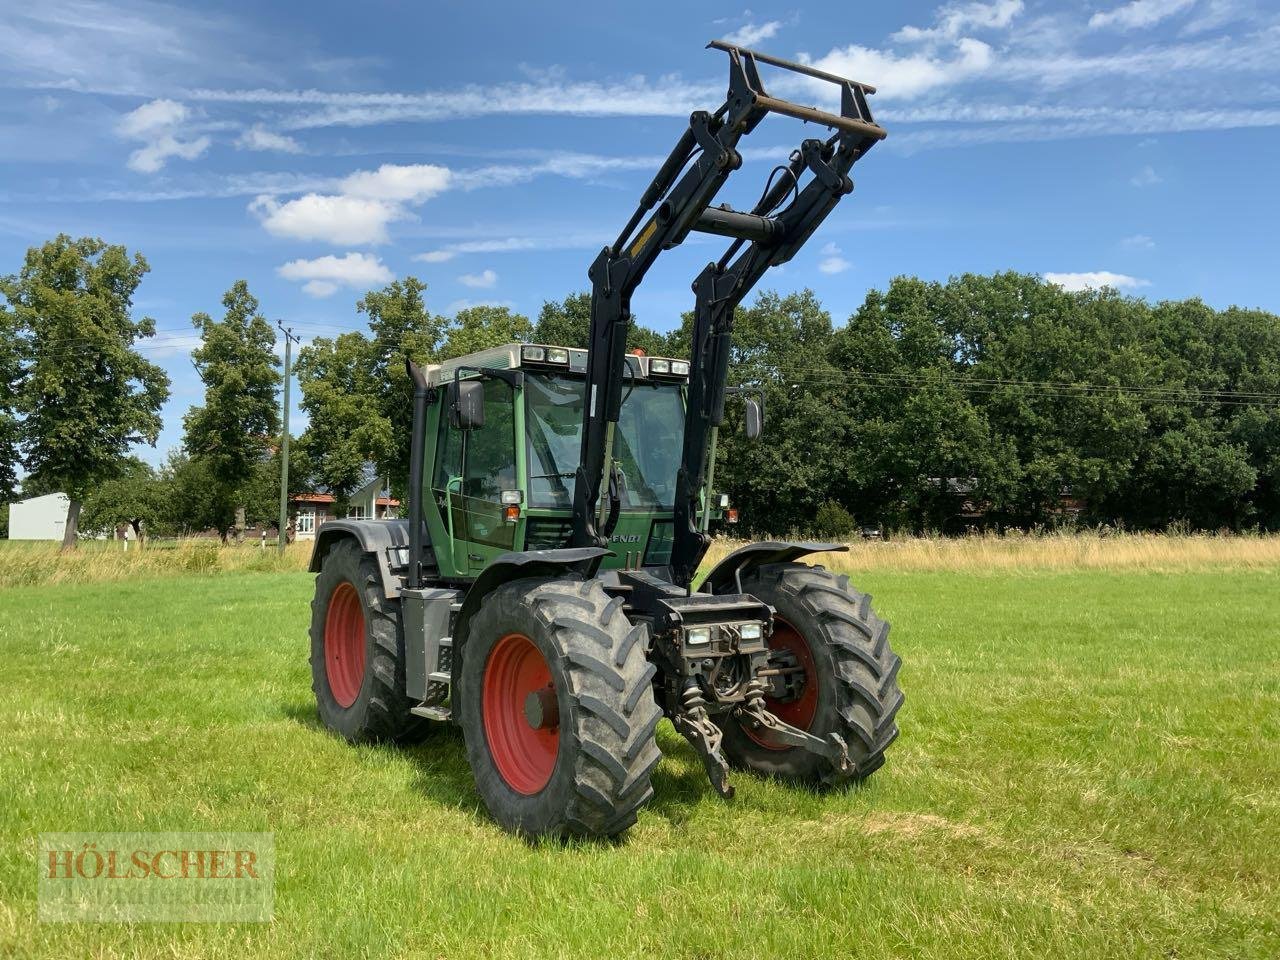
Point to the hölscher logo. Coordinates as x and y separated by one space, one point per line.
157 877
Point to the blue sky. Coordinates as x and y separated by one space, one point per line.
317 150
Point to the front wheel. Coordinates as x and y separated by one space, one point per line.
557 709
841 675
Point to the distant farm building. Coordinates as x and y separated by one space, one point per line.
39 518
373 501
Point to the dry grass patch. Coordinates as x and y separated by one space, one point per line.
990 553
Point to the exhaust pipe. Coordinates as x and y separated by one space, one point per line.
417 449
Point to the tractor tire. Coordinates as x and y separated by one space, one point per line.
557 709
850 682
357 652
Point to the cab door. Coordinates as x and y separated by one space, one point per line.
473 468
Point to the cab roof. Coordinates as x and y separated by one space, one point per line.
511 356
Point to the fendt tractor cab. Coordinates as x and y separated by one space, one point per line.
541 594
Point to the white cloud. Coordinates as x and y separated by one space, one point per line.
1146 177
568 240
158 125
954 19
482 280
1139 13
369 200
832 262
633 97
325 274
1138 241
905 76
749 34
1095 280
158 116
154 155
332 219
259 137
412 183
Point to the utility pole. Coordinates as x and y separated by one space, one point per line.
289 341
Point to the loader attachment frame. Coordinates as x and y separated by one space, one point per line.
679 201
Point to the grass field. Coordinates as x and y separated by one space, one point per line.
1089 766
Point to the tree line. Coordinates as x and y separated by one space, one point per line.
985 400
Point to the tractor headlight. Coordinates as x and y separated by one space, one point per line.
697 636
659 366
751 631
557 355
536 354
680 368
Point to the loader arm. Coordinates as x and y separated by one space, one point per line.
676 202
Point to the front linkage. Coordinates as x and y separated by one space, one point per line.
715 664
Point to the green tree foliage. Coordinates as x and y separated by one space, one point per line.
189 501
567 323
10 377
479 328
400 324
235 429
261 493
833 520
343 400
85 396
1001 395
984 399
136 497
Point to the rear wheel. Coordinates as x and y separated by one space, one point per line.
557 709
357 652
842 675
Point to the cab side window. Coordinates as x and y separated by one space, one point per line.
484 459
490 465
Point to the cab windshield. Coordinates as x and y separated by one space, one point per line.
647 443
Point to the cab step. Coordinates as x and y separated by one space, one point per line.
433 713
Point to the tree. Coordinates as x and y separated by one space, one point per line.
189 502
567 323
135 497
10 376
347 429
235 429
261 493
478 328
400 324
85 394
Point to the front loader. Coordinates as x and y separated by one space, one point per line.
541 593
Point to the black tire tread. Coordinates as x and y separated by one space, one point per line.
867 694
387 717
612 712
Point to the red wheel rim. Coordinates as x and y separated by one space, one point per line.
800 711
523 754
344 645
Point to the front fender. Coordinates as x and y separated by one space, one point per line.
574 561
377 537
724 576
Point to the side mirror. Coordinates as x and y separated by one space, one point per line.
466 404
754 420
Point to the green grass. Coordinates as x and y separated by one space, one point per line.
1089 766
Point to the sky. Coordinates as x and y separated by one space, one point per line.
319 150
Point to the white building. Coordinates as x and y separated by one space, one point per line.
40 518
372 501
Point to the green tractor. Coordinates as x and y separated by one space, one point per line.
541 594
